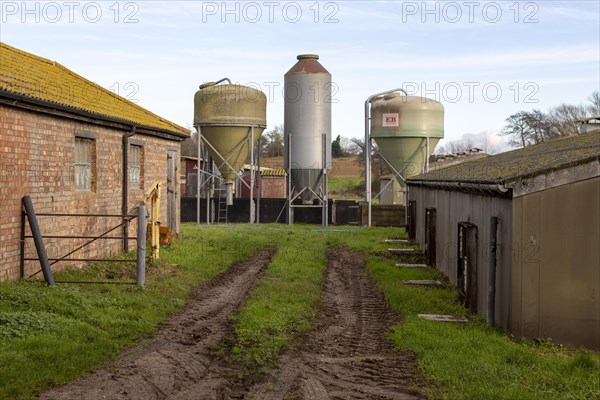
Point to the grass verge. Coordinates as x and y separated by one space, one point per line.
50 336
474 361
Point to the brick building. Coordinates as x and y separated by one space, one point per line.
63 141
272 185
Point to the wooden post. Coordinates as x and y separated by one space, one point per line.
140 277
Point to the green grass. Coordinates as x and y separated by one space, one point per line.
50 336
283 303
474 361
347 187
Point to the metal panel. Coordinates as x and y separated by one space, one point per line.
570 258
516 288
530 240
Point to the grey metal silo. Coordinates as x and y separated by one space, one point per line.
307 117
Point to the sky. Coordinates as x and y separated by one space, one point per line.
483 60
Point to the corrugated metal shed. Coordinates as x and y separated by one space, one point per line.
520 163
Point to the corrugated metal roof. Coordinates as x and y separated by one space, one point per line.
521 163
273 172
38 78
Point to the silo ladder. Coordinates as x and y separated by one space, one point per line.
222 209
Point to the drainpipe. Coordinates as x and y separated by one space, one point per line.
491 292
125 193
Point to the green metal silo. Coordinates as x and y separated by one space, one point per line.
230 119
406 130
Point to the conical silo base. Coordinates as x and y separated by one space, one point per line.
310 179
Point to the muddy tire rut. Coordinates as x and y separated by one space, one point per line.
348 355
177 363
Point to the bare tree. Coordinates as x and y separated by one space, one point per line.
593 108
272 142
527 127
564 119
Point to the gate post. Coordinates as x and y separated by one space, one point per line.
38 240
141 247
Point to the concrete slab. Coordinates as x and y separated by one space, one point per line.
444 318
401 265
422 283
403 251
396 241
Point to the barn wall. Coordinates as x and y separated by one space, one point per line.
38 160
556 279
453 207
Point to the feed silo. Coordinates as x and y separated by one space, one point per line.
307 127
401 127
230 119
406 129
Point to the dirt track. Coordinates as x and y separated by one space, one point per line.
346 356
177 363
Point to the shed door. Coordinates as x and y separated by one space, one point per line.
430 236
172 190
412 219
467 265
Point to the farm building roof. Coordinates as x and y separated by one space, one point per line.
273 172
519 164
42 80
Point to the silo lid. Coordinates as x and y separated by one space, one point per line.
307 57
307 64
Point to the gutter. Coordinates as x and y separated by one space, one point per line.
485 187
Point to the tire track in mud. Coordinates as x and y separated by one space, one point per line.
348 355
177 363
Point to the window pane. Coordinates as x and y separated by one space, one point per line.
83 164
134 168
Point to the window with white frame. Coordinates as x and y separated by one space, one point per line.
84 164
135 167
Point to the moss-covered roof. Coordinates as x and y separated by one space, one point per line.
41 79
521 163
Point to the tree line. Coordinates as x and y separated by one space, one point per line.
525 128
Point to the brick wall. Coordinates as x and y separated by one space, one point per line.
272 187
37 159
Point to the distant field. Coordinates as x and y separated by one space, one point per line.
346 167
